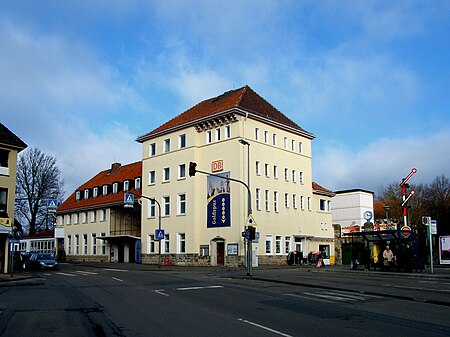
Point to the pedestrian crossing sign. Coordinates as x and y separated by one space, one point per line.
250 221
159 234
52 205
128 200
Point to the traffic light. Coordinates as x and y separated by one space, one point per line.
251 233
192 169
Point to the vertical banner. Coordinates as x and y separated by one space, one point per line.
444 249
218 195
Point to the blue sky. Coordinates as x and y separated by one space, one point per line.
81 80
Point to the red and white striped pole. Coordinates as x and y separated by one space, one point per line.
405 199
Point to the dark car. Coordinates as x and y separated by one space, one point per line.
42 261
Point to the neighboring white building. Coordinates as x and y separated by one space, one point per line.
348 208
203 217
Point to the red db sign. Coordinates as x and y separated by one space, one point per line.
217 166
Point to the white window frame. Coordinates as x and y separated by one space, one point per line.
182 141
78 196
286 200
218 134
293 145
151 244
69 244
166 205
274 139
258 199
287 244
151 209
93 244
309 203
302 202
258 168
152 150
94 216
181 203
227 131
267 200
166 243
103 215
300 147
86 194
275 201
278 245
182 171
126 185
102 244
286 174
268 248
167 145
257 134
266 137
181 243
166 174
95 192
208 137
115 188
294 201
105 190
152 177
267 170
275 171
285 143
301 178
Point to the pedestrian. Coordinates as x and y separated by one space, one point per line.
408 257
388 257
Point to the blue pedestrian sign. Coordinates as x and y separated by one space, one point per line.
128 200
159 234
52 205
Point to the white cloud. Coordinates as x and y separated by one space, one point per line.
384 161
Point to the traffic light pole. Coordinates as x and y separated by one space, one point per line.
249 211
159 226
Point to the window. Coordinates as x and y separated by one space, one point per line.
69 244
256 133
274 139
294 176
115 188
137 183
309 203
3 202
166 243
126 185
166 145
94 216
152 149
287 244
85 244
322 205
227 131
285 142
86 194
94 244
258 168
151 210
69 219
266 137
294 201
181 171
258 199
105 190
204 250
286 174
151 244
217 134
181 243
208 136
151 178
302 202
325 251
166 174
77 218
166 206
300 178
85 217
286 200
266 192
293 145
275 201
77 244
4 158
268 244
275 171
181 141
103 245
278 245
95 192
300 147
103 215
78 196
266 170
181 204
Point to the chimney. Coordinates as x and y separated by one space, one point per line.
115 167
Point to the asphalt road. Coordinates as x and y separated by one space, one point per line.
94 301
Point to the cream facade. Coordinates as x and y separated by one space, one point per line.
287 210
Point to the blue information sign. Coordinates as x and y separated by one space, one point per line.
159 234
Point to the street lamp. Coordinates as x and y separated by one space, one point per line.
387 208
249 208
159 226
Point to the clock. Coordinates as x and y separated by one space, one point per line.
367 215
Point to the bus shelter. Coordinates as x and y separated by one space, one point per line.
384 237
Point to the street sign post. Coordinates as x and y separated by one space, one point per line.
159 234
128 200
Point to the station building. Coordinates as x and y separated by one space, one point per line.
240 136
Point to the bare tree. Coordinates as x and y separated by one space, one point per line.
38 179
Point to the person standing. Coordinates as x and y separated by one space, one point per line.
388 257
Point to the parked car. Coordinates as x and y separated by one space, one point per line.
42 261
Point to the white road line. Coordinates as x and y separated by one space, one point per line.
85 272
309 298
66 274
117 279
121 270
264 327
198 288
332 297
355 296
161 292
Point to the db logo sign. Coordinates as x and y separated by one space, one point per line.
217 166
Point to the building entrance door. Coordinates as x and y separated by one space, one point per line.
220 253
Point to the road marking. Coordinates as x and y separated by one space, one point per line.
117 279
161 292
198 288
85 272
264 327
309 298
333 296
66 274
121 270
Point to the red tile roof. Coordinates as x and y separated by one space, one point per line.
116 173
244 98
319 189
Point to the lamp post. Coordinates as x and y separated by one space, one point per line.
249 208
387 208
159 226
